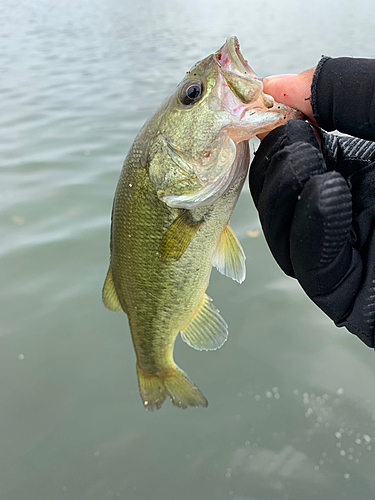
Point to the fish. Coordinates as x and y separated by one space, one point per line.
177 189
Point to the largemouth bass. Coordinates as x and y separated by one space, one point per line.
170 220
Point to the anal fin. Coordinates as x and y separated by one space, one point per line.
109 295
229 257
207 330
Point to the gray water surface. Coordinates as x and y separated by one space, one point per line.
291 412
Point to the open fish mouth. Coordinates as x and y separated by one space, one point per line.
230 58
246 86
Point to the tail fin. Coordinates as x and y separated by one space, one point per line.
174 383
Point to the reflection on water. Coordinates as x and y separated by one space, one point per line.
292 404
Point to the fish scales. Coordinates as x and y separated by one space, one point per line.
170 220
159 297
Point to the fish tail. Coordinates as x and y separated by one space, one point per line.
173 383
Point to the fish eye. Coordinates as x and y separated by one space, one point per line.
191 92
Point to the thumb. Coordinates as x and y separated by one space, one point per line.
292 90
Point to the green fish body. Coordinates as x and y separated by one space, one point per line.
170 221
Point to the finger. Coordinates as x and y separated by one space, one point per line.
292 90
277 180
353 158
320 244
330 270
285 135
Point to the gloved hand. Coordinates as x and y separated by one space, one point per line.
317 209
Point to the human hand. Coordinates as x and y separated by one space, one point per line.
317 210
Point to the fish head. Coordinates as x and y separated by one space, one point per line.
219 104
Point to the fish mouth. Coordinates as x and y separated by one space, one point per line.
230 58
241 92
244 84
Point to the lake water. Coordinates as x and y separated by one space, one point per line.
291 412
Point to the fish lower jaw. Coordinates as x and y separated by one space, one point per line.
259 120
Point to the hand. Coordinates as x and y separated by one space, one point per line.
317 210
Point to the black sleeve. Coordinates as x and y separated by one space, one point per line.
343 96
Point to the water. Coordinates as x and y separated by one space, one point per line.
292 404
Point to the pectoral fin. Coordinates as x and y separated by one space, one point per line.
109 295
207 330
178 237
229 257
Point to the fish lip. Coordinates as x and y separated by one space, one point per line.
230 53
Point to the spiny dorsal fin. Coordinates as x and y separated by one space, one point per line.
207 330
229 257
109 295
178 237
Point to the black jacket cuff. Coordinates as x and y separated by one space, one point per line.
343 96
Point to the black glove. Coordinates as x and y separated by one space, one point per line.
317 210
